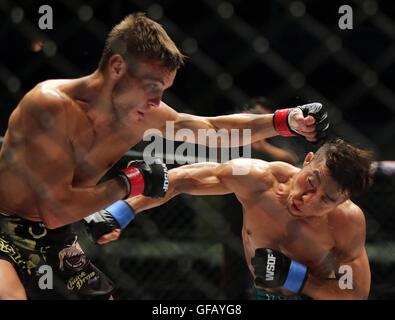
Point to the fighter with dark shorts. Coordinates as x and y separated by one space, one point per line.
30 248
65 134
50 263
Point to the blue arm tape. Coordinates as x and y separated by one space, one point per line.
121 212
296 276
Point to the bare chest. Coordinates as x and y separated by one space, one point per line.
95 152
269 224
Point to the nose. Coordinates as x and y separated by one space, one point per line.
307 196
298 202
154 103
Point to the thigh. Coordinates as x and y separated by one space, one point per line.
11 287
80 276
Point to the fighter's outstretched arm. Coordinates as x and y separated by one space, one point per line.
206 178
196 179
309 121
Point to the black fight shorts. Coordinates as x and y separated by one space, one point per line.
50 263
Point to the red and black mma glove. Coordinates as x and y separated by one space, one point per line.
282 120
273 270
150 180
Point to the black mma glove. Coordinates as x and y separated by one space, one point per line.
116 216
273 270
283 120
150 180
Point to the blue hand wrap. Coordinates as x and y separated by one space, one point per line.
121 212
296 277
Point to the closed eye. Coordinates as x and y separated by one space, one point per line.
152 86
325 200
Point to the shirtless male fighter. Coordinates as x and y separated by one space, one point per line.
65 134
299 225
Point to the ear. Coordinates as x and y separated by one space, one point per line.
308 158
117 66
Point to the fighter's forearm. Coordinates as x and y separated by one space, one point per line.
354 282
331 289
260 127
142 203
72 204
194 179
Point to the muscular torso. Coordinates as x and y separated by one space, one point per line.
267 223
93 151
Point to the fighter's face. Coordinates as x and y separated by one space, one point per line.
141 89
313 191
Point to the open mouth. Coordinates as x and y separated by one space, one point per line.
295 211
294 206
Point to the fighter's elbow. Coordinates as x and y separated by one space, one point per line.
356 293
362 294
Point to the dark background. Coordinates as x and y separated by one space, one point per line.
292 52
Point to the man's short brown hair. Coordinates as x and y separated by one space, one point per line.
138 38
348 165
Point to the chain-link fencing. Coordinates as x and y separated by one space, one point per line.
292 52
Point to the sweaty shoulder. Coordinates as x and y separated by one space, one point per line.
282 171
44 98
247 166
252 175
349 227
44 105
261 169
